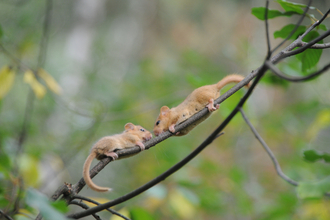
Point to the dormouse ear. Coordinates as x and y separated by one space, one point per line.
129 126
164 109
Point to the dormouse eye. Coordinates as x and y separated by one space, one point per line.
157 123
142 129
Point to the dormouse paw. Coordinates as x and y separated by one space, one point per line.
171 128
211 106
112 154
141 145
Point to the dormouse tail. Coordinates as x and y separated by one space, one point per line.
233 78
87 177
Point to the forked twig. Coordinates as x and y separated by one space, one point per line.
97 203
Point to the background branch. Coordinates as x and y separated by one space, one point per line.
84 206
97 203
268 150
278 73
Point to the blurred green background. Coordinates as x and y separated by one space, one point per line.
119 62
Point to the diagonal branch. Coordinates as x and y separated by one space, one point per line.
268 150
315 46
306 46
278 73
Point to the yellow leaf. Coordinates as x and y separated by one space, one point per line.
182 206
7 76
122 211
316 210
23 214
96 199
50 81
322 121
38 89
29 169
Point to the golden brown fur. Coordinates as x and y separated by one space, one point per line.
132 136
200 98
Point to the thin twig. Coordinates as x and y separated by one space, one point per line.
269 53
14 59
26 122
315 46
84 206
278 73
295 28
306 46
97 203
268 150
19 196
41 61
5 215
45 34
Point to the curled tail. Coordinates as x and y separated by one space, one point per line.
87 177
233 78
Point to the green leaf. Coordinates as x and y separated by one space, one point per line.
3 201
139 213
310 57
286 30
326 157
39 201
5 162
292 7
312 156
271 79
60 206
259 12
322 27
312 190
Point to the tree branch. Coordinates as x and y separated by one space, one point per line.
97 203
84 206
268 150
5 215
269 53
295 28
278 73
315 46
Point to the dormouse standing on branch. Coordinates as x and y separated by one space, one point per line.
105 147
200 98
